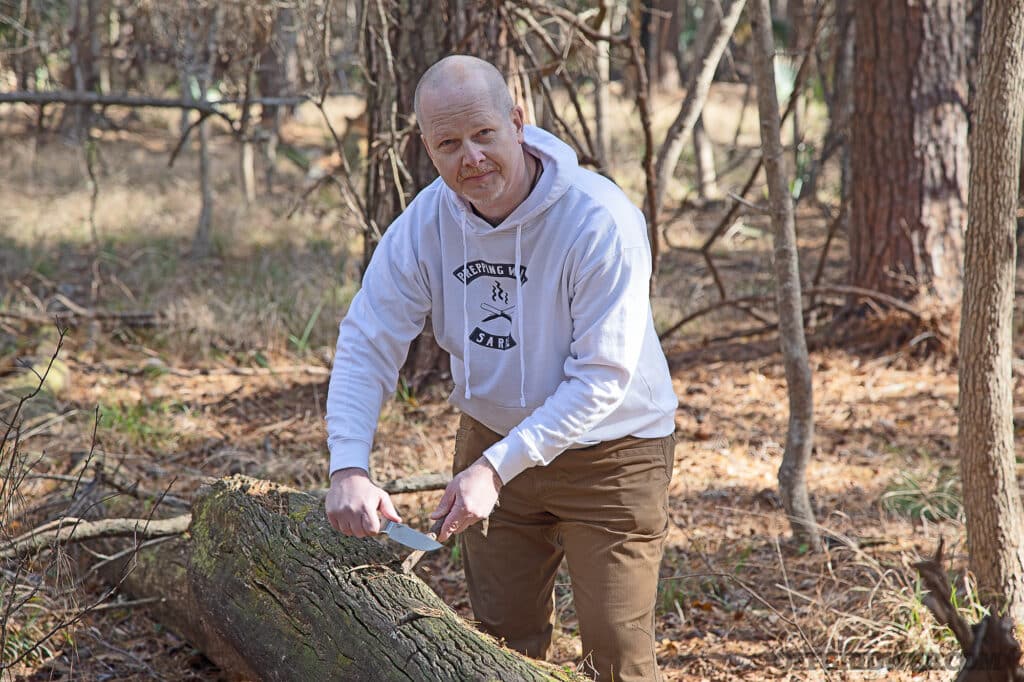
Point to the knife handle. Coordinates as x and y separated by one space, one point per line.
435 530
416 555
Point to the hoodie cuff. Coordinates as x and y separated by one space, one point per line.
349 452
510 457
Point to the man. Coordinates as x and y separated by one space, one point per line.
535 275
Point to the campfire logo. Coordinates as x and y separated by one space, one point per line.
495 327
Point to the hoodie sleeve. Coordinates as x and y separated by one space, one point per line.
387 313
610 310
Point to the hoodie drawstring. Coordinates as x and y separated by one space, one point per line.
465 309
465 304
519 302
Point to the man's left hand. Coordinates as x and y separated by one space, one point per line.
470 497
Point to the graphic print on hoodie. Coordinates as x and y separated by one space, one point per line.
497 305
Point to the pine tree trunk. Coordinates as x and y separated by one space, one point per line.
995 518
269 591
909 148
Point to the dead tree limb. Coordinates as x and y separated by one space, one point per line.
991 652
66 530
416 484
718 27
742 302
269 591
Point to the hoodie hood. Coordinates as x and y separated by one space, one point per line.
560 166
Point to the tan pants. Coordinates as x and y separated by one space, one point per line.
605 509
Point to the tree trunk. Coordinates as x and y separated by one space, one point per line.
995 518
602 100
269 591
703 150
202 242
800 433
909 149
278 76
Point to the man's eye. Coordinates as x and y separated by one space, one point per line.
446 144
486 132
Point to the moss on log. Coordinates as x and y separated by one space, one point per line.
268 590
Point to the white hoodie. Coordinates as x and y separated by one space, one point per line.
563 355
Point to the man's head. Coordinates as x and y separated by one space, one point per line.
474 133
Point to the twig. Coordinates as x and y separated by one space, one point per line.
828 289
794 97
570 86
828 243
524 47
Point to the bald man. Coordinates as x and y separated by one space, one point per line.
534 273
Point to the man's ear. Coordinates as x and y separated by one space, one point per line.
518 121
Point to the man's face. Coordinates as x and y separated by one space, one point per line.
476 148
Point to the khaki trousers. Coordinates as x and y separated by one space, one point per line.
605 509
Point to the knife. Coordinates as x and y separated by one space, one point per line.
399 532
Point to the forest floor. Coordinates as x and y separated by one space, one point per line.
232 379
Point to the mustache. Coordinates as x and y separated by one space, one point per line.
476 172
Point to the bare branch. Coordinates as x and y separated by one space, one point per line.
78 530
724 23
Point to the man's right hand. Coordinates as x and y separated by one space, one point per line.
354 504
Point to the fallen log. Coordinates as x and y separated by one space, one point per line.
269 591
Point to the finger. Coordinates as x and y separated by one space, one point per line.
452 524
444 506
387 509
365 522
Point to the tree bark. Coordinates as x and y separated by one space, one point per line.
269 591
800 432
909 150
995 518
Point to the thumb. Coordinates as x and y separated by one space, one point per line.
387 508
445 505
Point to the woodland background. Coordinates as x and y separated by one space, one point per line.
190 190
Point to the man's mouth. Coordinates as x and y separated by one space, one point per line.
477 177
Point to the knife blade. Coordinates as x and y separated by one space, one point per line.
401 533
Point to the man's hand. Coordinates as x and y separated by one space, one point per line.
470 497
354 504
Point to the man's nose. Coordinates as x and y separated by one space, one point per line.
474 156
